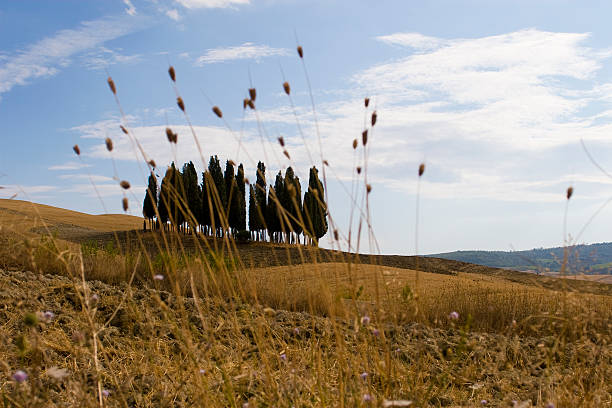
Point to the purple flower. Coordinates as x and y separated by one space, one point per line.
296 330
95 298
365 320
363 375
105 393
375 332
367 398
158 277
398 350
202 371
283 357
550 405
48 316
484 402
20 376
453 315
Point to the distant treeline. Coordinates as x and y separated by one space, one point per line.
590 259
215 204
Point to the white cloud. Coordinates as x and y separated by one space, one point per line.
196 4
46 57
245 51
413 40
96 178
130 10
104 57
71 165
173 14
25 192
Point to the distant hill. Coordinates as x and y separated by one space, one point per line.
588 259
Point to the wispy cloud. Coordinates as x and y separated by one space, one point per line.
104 57
130 10
26 192
196 4
245 51
48 56
173 14
71 165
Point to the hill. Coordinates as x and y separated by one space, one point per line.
582 259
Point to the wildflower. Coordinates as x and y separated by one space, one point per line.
283 357
376 332
48 316
202 371
363 376
367 398
95 298
365 320
453 315
158 277
20 376
550 405
296 330
57 373
484 402
105 393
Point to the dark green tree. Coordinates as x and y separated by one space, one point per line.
229 179
193 195
238 207
292 202
205 214
165 195
150 201
253 214
257 210
275 218
218 198
315 209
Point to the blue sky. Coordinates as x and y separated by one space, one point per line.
494 96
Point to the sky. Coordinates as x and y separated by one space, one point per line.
507 103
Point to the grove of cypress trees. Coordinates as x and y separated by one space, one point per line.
292 202
275 217
150 200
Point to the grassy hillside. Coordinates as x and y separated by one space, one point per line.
582 259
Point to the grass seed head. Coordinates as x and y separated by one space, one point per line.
172 73
287 88
570 191
374 117
111 85
172 137
124 202
217 111
232 163
251 104
253 94
152 163
369 188
366 102
109 144
358 169
180 103
281 141
245 103
123 129
336 234
125 184
300 51
421 169
364 137
286 153
355 143
76 150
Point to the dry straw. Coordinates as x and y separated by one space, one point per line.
124 202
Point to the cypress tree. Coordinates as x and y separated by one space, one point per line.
292 201
239 201
193 194
150 201
253 214
315 209
260 212
177 198
205 219
229 180
218 198
164 198
275 217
